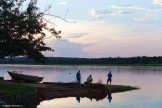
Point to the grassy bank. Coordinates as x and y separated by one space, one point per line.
10 88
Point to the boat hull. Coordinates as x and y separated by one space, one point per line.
26 78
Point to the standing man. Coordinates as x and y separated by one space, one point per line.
109 75
78 76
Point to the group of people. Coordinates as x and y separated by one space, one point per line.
90 79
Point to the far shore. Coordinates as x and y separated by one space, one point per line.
104 61
89 64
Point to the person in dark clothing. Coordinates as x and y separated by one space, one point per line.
109 97
109 75
78 98
78 76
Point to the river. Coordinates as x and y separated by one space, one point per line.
148 78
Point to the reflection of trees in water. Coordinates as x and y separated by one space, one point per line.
28 100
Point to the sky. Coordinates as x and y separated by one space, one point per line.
105 28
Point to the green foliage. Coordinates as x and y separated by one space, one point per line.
21 31
14 88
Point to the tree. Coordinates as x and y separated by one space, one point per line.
22 30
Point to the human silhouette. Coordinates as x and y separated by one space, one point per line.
78 76
109 75
78 99
89 79
109 97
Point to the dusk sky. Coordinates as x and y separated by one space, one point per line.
106 28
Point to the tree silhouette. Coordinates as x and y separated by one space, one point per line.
22 30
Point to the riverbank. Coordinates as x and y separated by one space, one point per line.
10 88
50 90
14 92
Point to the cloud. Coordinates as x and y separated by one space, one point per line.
69 49
127 40
134 7
119 13
78 35
108 39
62 3
158 2
125 6
93 12
146 17
141 19
95 15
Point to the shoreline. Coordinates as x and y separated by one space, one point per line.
137 60
83 64
23 87
51 90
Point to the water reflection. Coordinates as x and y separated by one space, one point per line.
62 90
33 99
109 97
78 98
22 100
61 73
149 78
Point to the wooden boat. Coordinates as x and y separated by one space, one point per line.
24 77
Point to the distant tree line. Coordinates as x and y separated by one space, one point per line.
144 60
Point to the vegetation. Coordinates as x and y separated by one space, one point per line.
89 61
13 88
22 30
10 88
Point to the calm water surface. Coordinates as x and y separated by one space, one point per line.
148 78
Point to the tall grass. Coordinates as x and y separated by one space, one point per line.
14 88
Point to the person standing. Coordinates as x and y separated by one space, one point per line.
78 76
109 75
